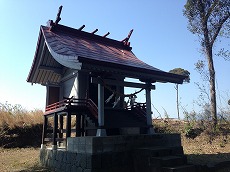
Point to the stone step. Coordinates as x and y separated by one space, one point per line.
167 161
182 168
159 151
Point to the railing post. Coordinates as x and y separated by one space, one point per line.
148 109
101 131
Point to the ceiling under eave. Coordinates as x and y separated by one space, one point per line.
45 68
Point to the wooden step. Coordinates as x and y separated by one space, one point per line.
182 168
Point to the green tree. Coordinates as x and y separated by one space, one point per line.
180 71
209 19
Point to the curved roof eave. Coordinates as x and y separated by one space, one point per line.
67 61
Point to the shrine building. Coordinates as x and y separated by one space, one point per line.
85 76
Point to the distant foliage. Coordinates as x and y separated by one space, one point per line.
19 127
184 72
16 116
181 71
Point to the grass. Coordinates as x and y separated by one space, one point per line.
20 159
12 116
18 126
198 150
200 144
201 151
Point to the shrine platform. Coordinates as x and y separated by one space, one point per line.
124 153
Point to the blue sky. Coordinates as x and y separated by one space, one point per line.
160 38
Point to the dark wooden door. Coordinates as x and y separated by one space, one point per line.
53 95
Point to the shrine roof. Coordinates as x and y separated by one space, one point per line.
74 48
68 42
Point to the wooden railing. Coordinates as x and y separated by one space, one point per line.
92 107
56 105
140 109
67 102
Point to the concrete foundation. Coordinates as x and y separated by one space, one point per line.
103 154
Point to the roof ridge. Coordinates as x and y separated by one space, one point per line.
91 36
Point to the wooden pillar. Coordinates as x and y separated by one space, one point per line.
55 127
61 126
148 110
78 125
68 125
82 125
44 131
101 131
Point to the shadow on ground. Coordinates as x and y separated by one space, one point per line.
36 168
206 163
211 162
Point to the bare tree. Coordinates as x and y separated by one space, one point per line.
209 19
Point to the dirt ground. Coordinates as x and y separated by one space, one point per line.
205 152
199 151
20 159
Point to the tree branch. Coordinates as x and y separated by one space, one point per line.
210 10
204 23
201 9
219 28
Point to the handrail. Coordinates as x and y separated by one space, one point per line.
139 108
73 101
56 105
93 108
140 111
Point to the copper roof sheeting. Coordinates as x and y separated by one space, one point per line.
84 46
72 48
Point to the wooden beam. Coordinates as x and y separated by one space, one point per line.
68 124
82 27
122 83
101 121
106 34
148 111
55 127
61 123
94 31
78 125
143 75
44 132
58 18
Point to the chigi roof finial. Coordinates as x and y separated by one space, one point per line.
52 24
126 40
58 18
